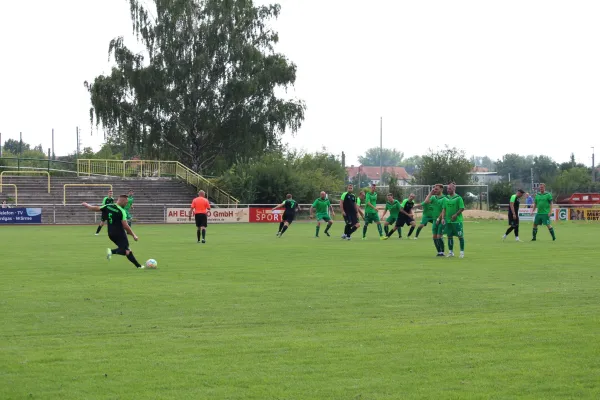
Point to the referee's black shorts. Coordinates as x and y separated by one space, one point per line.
512 221
201 220
120 240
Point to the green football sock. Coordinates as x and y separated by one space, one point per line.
451 244
418 231
364 230
437 245
317 230
534 232
552 233
461 242
442 244
380 230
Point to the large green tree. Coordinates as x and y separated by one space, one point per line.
389 157
443 166
205 88
519 167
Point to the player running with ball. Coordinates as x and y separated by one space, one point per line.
118 229
324 213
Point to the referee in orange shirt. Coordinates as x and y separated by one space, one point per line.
200 206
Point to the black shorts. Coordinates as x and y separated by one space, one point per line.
404 220
351 219
201 220
289 218
512 221
120 240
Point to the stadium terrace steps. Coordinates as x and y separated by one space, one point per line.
152 196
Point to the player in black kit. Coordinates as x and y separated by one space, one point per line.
107 200
513 214
290 207
118 228
406 215
350 206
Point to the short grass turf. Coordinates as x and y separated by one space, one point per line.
251 316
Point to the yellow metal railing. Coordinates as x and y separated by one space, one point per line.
82 185
25 172
145 168
16 191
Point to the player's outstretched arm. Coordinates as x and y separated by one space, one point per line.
278 206
90 207
128 230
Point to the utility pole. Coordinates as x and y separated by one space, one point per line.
380 151
532 179
593 166
53 157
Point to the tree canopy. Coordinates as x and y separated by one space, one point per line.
389 157
205 89
444 166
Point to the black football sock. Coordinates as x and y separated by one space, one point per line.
390 233
284 229
436 243
327 228
552 233
517 231
509 230
386 229
203 233
347 230
442 245
115 251
418 231
534 232
364 230
198 235
280 226
98 229
400 232
352 230
131 258
410 231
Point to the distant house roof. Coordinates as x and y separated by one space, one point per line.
373 172
479 169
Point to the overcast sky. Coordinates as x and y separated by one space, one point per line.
490 77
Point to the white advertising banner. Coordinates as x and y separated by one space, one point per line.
215 216
526 215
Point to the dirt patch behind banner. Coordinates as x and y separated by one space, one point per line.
480 214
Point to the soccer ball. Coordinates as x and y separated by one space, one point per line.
151 264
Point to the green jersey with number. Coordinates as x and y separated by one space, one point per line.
393 208
370 198
543 203
322 206
452 204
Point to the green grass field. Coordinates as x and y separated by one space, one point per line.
250 316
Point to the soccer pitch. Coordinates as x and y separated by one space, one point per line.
251 316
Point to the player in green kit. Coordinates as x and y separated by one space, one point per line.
371 213
452 210
393 206
129 206
435 200
543 204
425 218
324 213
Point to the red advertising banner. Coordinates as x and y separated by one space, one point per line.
265 215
